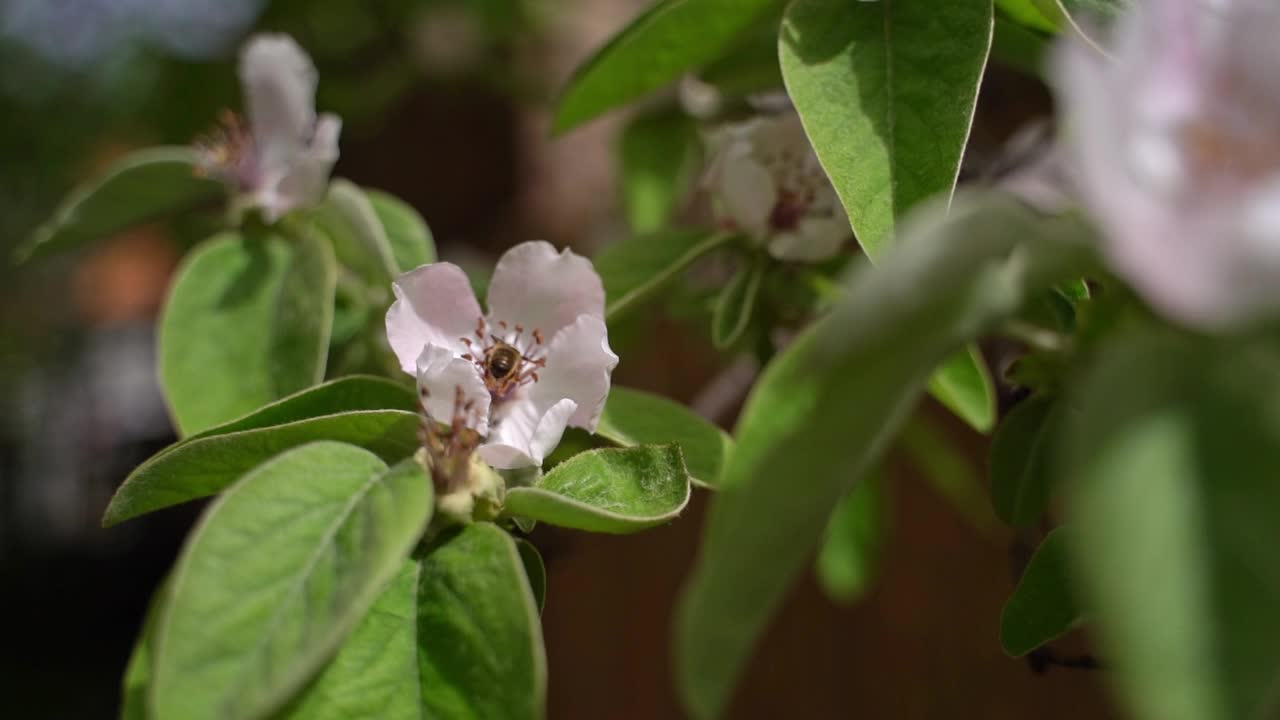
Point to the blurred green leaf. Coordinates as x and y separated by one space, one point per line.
826 407
407 233
633 417
886 91
1020 48
247 322
140 187
636 269
1020 456
1041 608
1042 15
737 303
479 636
1089 17
950 471
611 490
1174 507
850 556
277 573
205 466
668 39
751 66
535 570
375 673
659 155
963 385
350 220
137 674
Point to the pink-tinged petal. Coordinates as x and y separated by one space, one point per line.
441 375
308 175
523 436
279 83
747 194
434 306
539 288
579 364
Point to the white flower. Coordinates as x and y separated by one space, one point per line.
282 160
1177 148
537 362
768 184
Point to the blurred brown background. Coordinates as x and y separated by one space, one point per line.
446 104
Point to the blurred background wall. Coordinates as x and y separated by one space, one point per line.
445 104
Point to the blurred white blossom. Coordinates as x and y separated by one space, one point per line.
1175 140
768 184
282 159
537 362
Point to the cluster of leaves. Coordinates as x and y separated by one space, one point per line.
317 585
1139 453
1137 456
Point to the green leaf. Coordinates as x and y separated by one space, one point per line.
1019 48
636 269
886 91
659 155
277 572
748 68
347 394
1020 473
964 386
407 233
612 490
535 570
634 417
205 466
825 408
247 323
351 221
850 554
1041 608
137 674
950 471
672 37
138 188
737 302
1174 505
1042 15
1087 17
479 636
375 673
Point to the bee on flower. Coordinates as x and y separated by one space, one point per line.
537 362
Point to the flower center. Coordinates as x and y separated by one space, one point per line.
226 152
506 360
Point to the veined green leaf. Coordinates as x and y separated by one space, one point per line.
613 490
636 269
479 636
886 91
277 573
247 322
205 466
633 417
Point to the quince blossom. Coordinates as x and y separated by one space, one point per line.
537 362
1177 153
283 158
767 183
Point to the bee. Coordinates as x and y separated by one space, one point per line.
502 361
